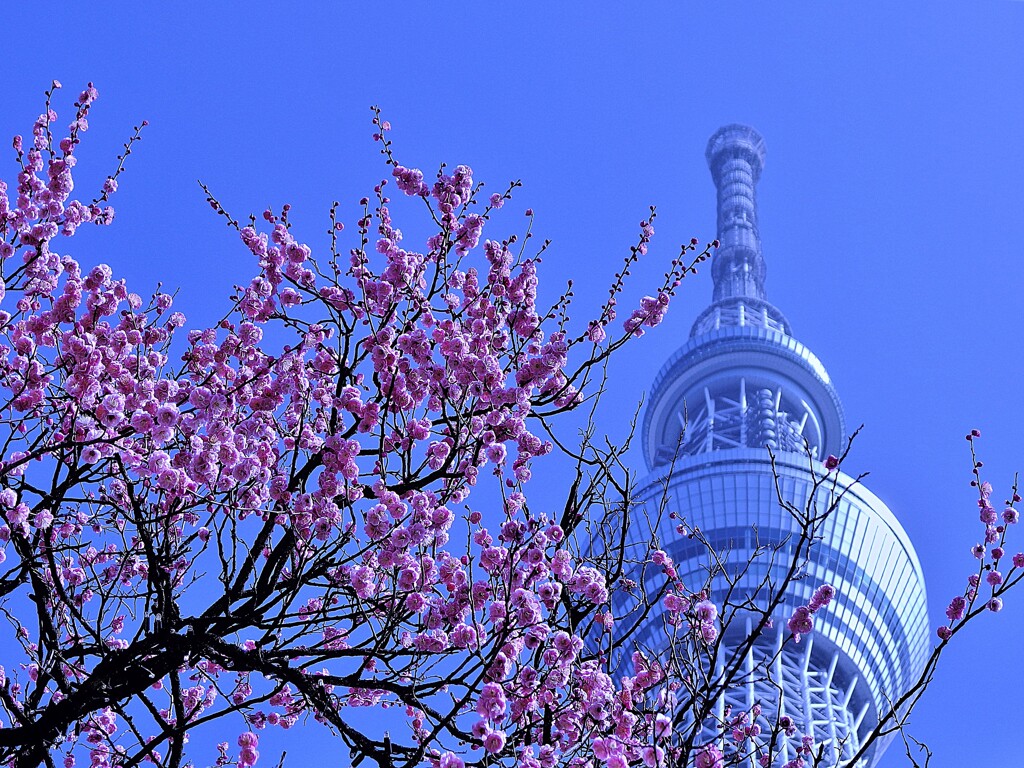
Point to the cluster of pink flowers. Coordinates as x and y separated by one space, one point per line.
802 621
308 458
650 313
991 554
248 755
693 611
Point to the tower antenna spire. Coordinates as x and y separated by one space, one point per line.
735 155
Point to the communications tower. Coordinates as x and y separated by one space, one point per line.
743 383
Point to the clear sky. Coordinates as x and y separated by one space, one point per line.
891 202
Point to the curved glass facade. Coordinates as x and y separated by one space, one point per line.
742 384
876 628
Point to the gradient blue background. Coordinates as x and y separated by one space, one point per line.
891 205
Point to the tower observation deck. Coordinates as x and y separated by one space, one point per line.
740 384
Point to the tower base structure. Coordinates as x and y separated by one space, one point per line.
813 684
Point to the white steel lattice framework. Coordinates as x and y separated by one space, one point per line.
742 383
755 413
817 694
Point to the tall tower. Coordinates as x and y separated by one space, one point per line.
742 383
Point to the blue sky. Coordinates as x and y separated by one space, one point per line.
891 202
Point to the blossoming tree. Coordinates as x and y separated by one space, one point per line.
319 504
